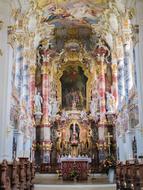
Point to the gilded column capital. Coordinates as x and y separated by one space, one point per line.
1 24
1 53
104 67
11 35
98 69
19 37
45 121
32 69
29 54
45 70
114 68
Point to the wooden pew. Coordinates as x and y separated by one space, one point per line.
118 175
5 183
18 175
129 176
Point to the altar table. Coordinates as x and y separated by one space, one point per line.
77 167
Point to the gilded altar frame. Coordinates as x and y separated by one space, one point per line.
87 73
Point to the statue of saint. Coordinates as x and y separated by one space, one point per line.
74 133
83 114
64 115
93 107
110 102
38 103
54 107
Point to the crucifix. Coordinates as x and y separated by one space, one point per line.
109 141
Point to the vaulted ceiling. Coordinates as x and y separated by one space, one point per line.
86 20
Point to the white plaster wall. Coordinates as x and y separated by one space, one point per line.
6 62
139 68
139 57
4 80
122 153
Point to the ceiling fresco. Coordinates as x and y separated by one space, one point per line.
83 12
75 19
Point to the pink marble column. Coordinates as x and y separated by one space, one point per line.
32 69
45 127
102 123
45 87
101 79
115 81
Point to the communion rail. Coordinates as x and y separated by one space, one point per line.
129 176
17 175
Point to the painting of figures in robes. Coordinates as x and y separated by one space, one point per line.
73 83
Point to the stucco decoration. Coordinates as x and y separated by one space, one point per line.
32 23
109 39
113 22
120 6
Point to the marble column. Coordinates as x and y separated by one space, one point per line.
115 81
20 142
139 69
27 147
18 68
5 84
122 156
45 87
45 121
139 140
8 144
101 125
101 79
25 92
32 69
129 150
121 84
128 77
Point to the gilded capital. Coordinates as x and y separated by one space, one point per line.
45 69
32 69
1 24
19 38
45 120
114 68
1 53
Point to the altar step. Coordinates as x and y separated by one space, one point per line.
52 182
76 187
52 179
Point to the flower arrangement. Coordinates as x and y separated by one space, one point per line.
73 174
109 163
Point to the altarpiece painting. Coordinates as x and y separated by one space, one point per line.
73 83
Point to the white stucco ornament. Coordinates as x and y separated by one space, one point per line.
37 39
32 23
120 5
109 39
113 22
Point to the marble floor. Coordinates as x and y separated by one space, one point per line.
52 182
52 179
76 187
